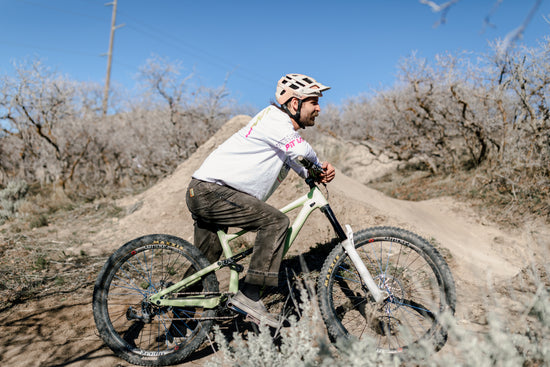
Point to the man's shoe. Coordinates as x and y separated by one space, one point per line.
253 309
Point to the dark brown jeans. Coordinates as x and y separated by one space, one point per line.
215 207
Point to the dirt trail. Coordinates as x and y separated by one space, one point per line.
48 332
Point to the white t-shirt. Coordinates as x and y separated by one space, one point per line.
257 158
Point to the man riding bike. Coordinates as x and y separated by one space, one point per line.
233 183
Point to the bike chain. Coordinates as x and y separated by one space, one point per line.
231 317
206 318
185 294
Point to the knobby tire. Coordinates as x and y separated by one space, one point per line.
417 278
136 330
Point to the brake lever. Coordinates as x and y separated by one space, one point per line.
313 169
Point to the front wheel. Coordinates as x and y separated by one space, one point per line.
134 328
409 269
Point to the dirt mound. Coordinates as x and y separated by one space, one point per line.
474 247
480 253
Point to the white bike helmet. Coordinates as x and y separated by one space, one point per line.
298 86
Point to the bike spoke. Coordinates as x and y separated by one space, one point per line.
405 272
124 314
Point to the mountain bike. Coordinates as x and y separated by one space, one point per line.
157 297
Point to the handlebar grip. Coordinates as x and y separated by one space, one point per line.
310 166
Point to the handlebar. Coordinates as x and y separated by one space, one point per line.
315 170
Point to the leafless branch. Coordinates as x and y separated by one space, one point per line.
443 9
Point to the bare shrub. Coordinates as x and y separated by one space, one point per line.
454 114
189 115
523 168
38 104
52 130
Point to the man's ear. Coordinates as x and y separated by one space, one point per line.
293 105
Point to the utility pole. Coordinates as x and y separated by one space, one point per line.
110 57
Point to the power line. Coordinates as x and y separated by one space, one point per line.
61 10
40 47
60 50
166 38
176 42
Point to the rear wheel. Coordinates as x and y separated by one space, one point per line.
409 269
137 330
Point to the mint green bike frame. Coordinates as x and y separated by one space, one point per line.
309 202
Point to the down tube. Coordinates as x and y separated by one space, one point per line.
314 200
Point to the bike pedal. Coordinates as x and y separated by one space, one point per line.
234 308
247 317
250 318
237 267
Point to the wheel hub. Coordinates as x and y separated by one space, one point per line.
395 290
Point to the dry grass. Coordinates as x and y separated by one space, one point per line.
36 256
488 196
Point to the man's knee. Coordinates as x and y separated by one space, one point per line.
282 222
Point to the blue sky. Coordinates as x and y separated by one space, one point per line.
353 46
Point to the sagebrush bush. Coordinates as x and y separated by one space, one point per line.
11 198
302 344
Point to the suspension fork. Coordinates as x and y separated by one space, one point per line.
346 239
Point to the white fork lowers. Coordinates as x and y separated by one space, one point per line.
378 294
